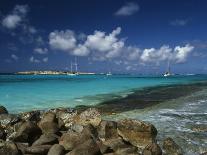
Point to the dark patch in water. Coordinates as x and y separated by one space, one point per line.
146 97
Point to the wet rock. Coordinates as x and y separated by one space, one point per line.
8 148
28 132
89 116
56 150
3 110
31 116
89 147
138 133
171 148
70 139
152 149
48 123
107 130
46 139
38 149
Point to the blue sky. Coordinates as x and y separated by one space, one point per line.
138 36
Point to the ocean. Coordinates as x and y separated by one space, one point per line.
182 117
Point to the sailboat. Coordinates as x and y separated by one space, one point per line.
168 73
109 74
71 68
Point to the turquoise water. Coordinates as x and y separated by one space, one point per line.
20 93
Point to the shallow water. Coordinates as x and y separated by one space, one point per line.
28 92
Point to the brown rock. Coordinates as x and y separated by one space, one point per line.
89 116
38 150
28 132
8 148
2 133
56 149
171 148
46 139
31 116
89 147
107 130
3 110
138 133
152 149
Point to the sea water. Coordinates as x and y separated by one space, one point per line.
178 118
20 93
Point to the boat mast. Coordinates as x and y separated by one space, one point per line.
71 67
76 65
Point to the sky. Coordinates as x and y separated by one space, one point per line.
136 36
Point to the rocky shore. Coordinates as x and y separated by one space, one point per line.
64 131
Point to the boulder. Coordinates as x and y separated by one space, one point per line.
89 116
65 117
56 149
3 110
152 149
107 130
171 148
8 148
8 120
48 123
22 147
46 139
38 149
136 132
89 147
31 116
120 147
27 132
70 140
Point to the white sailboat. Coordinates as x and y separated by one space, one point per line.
109 74
72 73
168 73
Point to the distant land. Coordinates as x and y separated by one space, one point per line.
54 73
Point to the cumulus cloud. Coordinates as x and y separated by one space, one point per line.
41 50
62 40
14 57
12 20
102 46
128 9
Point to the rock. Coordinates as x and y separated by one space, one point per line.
152 149
28 132
31 116
65 117
2 133
48 123
89 147
8 120
200 128
38 149
171 148
3 110
89 116
22 147
138 133
46 139
204 153
107 130
120 147
70 139
88 132
103 148
76 128
8 148
56 150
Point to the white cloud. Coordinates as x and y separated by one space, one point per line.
14 57
181 53
33 60
12 20
81 50
45 59
179 22
132 53
127 10
41 50
62 40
